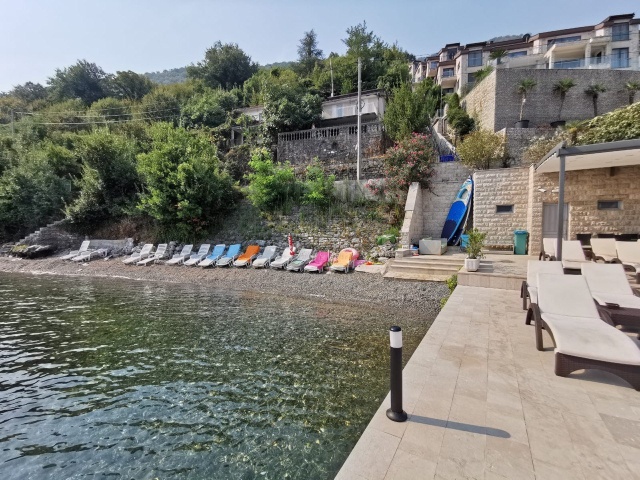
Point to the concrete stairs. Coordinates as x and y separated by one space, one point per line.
424 267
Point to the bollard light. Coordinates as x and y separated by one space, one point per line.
396 413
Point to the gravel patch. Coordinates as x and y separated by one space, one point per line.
415 298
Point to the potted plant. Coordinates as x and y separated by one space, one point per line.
632 88
594 92
475 243
562 87
524 87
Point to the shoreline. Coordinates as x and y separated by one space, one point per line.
360 289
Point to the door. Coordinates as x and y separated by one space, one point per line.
550 220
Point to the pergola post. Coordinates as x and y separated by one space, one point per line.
560 208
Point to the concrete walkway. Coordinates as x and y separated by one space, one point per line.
484 403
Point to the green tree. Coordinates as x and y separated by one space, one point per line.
289 109
410 110
308 53
482 150
271 186
632 88
561 87
524 87
319 188
457 117
225 66
498 54
184 188
84 80
264 80
130 85
29 92
161 104
594 92
364 44
109 110
209 108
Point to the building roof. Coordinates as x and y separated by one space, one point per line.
585 157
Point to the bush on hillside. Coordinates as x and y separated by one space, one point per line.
319 188
482 150
271 186
621 124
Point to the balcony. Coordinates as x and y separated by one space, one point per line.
594 63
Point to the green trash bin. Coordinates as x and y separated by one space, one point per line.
520 242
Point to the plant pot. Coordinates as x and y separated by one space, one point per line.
558 123
522 124
472 264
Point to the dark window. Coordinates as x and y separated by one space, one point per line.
471 78
620 32
446 91
517 54
609 205
620 58
475 58
451 54
576 38
504 208
433 65
448 72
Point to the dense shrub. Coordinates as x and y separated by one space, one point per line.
319 189
271 186
621 124
236 162
410 110
457 117
482 150
209 108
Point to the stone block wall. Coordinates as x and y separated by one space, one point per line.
583 189
437 201
335 147
518 139
413 225
505 186
496 103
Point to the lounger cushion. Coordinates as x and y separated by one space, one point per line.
605 248
566 295
625 301
592 338
609 278
549 245
573 264
534 267
533 294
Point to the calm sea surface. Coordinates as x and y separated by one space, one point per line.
111 378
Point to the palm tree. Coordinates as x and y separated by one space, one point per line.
594 92
524 87
498 55
632 87
562 87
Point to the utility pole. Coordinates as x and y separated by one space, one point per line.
331 68
359 120
13 130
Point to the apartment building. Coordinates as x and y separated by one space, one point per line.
614 43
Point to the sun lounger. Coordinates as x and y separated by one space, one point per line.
611 290
90 255
283 260
211 260
318 263
180 258
84 246
344 261
529 289
264 260
629 255
158 255
582 339
604 249
572 256
250 254
147 250
230 256
300 260
548 249
196 258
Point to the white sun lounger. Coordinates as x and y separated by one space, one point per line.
300 260
180 258
582 339
609 285
283 260
196 258
548 249
211 260
147 250
629 255
572 255
158 255
84 247
90 255
604 249
266 257
529 289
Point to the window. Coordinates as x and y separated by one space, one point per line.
553 41
620 32
471 78
451 53
448 72
433 65
475 58
620 58
504 208
446 91
609 205
522 53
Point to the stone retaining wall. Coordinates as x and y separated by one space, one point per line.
413 225
54 235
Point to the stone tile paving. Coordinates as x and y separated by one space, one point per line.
483 403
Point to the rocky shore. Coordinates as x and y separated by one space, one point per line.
417 298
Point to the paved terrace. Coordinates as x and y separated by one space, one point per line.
484 403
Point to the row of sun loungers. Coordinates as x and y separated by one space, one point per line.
85 254
581 314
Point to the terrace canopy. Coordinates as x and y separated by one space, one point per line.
601 155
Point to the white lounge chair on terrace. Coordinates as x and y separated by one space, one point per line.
266 257
629 255
180 258
211 260
582 339
572 255
158 255
84 247
529 289
283 260
196 258
147 250
604 249
548 249
90 255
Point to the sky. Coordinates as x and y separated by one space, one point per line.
39 36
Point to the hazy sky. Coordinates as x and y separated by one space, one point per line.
39 36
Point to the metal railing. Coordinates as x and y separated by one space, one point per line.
594 62
329 132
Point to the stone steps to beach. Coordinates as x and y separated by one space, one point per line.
424 267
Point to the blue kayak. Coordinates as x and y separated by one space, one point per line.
458 213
